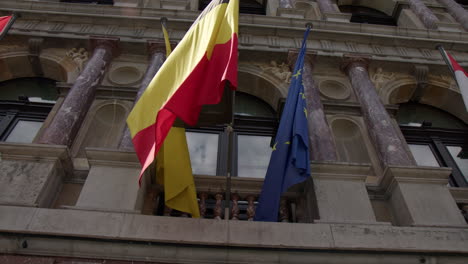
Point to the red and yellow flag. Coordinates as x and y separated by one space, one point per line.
194 75
5 24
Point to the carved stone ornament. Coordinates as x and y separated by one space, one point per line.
379 78
80 56
280 71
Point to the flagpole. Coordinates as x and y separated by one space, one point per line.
230 133
10 23
444 56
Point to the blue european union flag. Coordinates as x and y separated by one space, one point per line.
289 162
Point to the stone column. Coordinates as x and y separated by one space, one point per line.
457 11
287 3
157 56
381 129
66 123
424 14
322 145
326 6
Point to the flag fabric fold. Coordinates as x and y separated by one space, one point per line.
174 172
460 75
193 75
289 161
173 166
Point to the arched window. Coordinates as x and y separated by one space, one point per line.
436 138
366 15
24 105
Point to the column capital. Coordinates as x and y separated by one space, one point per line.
158 46
110 44
354 61
293 53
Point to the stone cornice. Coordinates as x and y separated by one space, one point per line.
261 33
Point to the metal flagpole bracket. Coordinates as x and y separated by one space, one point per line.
309 25
164 20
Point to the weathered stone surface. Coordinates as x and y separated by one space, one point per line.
15 218
341 192
419 196
22 181
279 235
381 128
110 188
399 238
163 229
424 14
457 11
322 146
326 6
64 127
76 223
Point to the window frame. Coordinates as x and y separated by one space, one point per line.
438 139
14 111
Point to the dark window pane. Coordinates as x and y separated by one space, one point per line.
248 105
413 114
462 164
366 15
32 89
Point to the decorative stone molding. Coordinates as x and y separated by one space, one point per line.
334 90
380 78
79 55
124 75
279 70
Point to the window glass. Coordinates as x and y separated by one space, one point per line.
249 105
254 155
24 131
41 90
203 149
413 114
461 163
423 155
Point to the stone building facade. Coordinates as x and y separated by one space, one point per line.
388 133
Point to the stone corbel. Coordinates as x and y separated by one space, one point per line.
34 47
421 73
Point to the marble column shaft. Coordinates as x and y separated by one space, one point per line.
66 123
457 11
380 126
322 145
424 14
287 3
326 6
157 53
